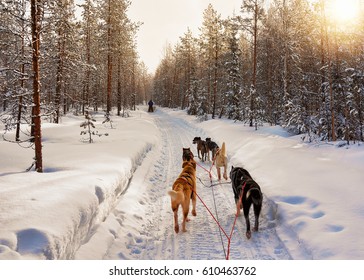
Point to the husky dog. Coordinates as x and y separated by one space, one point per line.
184 190
187 154
211 146
221 161
246 193
201 148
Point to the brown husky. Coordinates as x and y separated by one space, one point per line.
183 190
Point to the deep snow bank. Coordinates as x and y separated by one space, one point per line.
49 215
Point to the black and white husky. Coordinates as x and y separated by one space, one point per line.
246 193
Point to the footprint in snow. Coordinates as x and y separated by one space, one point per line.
334 228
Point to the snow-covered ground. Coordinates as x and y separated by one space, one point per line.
108 199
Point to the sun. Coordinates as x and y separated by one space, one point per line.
344 11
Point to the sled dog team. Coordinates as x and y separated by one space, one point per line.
246 191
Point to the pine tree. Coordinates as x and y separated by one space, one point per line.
234 90
89 127
187 54
252 14
88 25
211 44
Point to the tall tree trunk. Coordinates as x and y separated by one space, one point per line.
133 85
323 30
119 85
175 88
126 81
86 99
254 76
109 61
59 75
333 130
216 57
331 92
360 116
22 71
36 12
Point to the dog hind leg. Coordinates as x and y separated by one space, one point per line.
218 173
175 214
198 153
237 209
193 197
257 209
185 217
247 221
225 174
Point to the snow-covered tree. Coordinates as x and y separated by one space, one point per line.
15 58
211 42
89 128
233 89
187 55
252 14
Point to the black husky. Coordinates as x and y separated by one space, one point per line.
213 147
245 187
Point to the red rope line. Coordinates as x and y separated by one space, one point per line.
212 215
208 171
236 217
219 225
229 237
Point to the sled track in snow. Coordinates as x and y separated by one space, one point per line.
157 239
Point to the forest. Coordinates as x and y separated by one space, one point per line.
292 63
288 63
53 62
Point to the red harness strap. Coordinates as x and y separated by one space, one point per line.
241 195
236 217
208 171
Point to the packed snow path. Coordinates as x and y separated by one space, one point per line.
141 226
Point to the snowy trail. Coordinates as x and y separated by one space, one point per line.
145 230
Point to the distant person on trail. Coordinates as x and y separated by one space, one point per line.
150 103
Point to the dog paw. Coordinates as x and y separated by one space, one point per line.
248 234
255 229
176 229
194 213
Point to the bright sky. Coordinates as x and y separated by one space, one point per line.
167 20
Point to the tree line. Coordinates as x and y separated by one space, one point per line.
53 61
288 63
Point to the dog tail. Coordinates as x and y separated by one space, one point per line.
178 197
256 195
223 149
